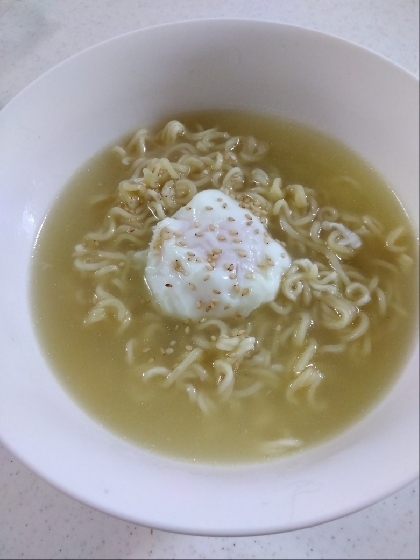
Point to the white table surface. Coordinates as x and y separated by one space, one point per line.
37 521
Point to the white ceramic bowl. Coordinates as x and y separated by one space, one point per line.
71 112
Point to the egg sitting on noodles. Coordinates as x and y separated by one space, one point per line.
213 258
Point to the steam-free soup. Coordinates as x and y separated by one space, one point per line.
215 379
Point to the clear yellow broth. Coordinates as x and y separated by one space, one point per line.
90 360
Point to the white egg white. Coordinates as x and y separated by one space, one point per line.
213 258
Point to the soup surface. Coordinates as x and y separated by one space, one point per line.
245 386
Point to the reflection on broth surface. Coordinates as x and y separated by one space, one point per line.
226 374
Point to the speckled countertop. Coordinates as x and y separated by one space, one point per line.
37 521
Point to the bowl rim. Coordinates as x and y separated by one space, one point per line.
217 20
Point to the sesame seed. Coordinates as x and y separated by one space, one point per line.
172 343
226 266
249 223
188 347
221 237
209 267
181 244
212 227
240 332
216 291
241 253
187 330
208 308
198 234
245 291
169 351
192 287
214 301
248 216
236 240
217 251
277 328
233 232
230 267
198 305
236 288
168 285
209 207
224 205
196 225
206 277
227 306
213 338
161 350
249 275
178 266
219 199
232 276
150 360
231 219
191 254
146 349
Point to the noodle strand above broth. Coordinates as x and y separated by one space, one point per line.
294 355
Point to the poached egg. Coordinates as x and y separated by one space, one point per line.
213 259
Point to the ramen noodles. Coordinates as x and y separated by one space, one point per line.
226 287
